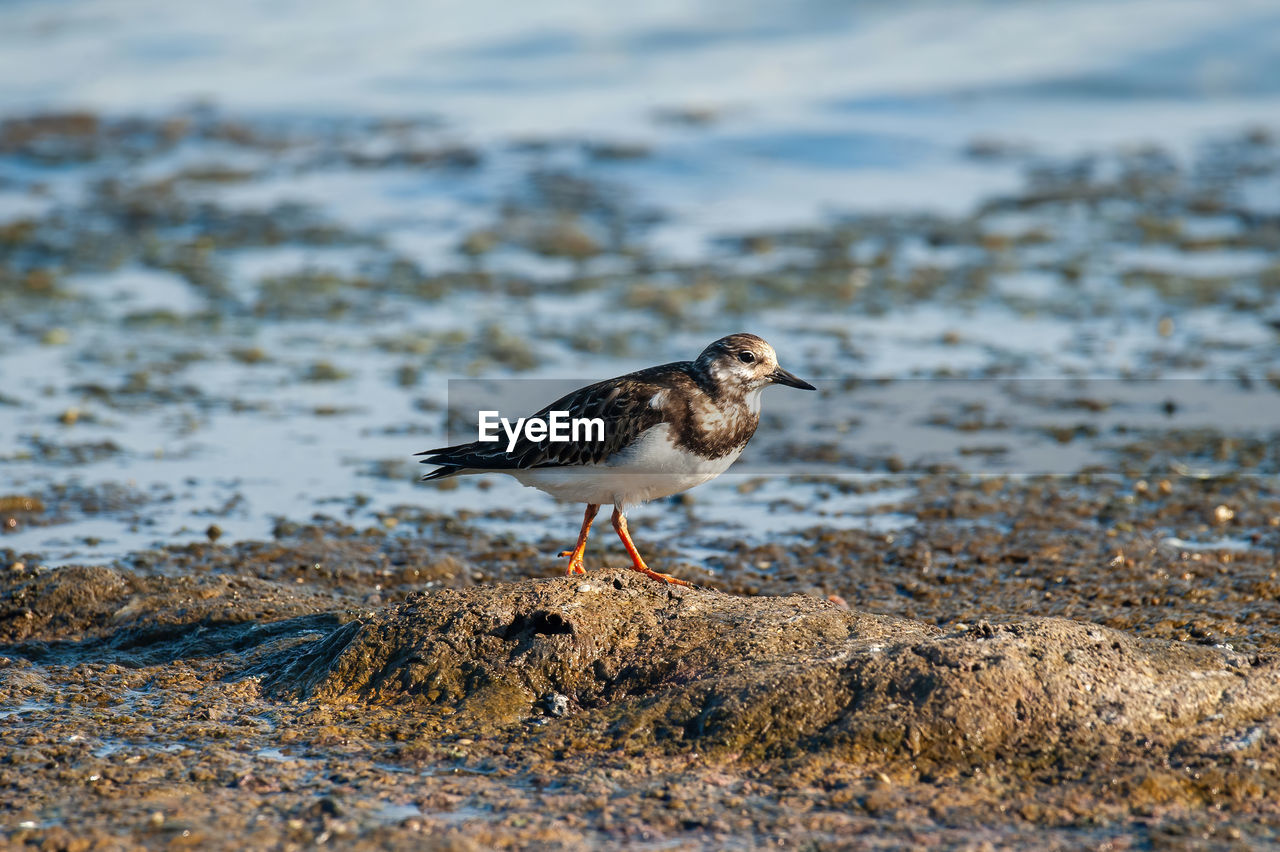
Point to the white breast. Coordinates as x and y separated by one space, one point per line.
650 468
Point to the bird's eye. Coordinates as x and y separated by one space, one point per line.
746 357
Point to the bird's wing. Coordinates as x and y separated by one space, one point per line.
628 406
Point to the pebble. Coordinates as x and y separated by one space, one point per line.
557 705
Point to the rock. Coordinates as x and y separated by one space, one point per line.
565 238
556 704
79 614
774 676
60 600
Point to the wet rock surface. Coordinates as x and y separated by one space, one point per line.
264 698
615 641
770 677
82 612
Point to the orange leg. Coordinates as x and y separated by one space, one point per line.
620 526
575 555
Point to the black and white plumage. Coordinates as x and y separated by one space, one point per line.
666 429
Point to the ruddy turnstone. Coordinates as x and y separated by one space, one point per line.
666 429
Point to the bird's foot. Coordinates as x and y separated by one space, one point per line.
660 577
575 562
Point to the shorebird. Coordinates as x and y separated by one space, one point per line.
666 429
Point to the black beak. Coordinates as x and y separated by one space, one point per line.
782 377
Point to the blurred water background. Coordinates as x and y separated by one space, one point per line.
247 244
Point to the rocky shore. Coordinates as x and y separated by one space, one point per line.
219 711
952 605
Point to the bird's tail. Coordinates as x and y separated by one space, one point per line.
442 473
452 461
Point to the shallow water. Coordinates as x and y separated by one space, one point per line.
248 379
601 166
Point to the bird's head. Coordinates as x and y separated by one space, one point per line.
745 362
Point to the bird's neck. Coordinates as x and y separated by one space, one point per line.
718 426
707 381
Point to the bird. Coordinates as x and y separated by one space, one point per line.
666 429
